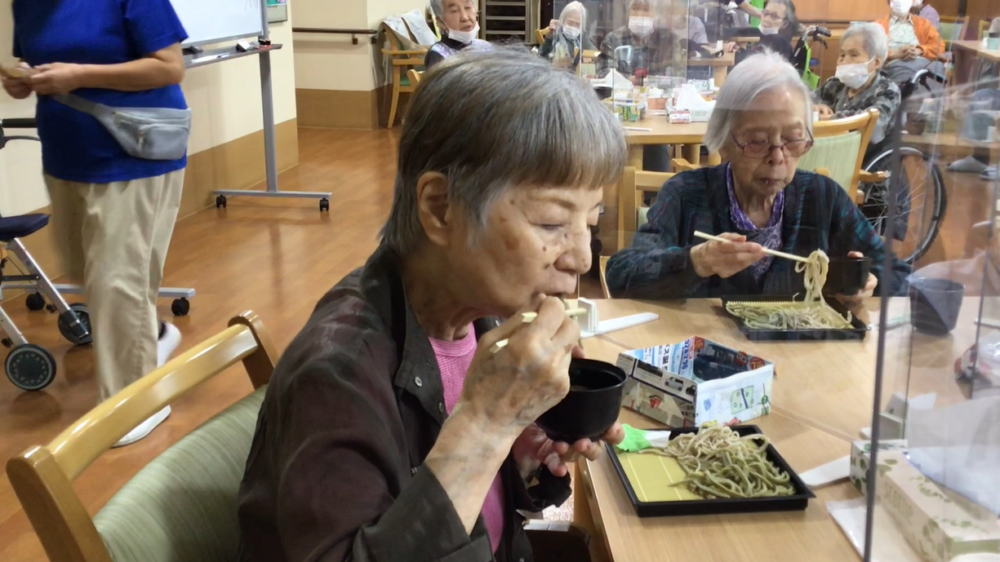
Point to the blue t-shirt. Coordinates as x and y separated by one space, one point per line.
75 146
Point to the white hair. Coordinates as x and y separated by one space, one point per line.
437 6
574 7
757 74
873 36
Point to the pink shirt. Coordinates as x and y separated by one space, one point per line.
454 359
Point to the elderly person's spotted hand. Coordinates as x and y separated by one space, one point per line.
725 259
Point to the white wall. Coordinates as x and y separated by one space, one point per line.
224 98
331 62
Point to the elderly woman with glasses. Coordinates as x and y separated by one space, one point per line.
756 199
394 429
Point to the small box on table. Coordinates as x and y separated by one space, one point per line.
861 457
696 381
938 523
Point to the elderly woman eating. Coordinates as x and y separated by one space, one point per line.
394 428
756 199
859 83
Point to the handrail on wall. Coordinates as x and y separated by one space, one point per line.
330 31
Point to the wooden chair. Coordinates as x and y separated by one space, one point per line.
603 268
403 60
840 147
635 185
984 26
415 76
182 505
952 28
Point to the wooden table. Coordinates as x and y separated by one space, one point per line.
827 385
720 66
966 52
978 50
822 397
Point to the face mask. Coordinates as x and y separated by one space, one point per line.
465 37
900 7
854 75
571 32
768 30
641 26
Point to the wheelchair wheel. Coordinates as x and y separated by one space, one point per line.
83 315
921 201
30 367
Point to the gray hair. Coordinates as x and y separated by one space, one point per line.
574 7
490 122
437 6
873 36
757 74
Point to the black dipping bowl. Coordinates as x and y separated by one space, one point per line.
592 405
935 304
603 92
847 276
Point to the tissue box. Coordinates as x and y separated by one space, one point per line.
861 457
938 524
696 381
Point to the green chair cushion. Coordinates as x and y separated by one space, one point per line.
182 506
837 154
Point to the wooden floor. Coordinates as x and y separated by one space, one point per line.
276 258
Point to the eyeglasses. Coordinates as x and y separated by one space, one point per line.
762 149
766 15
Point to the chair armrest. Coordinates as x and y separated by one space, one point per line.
394 53
682 165
876 177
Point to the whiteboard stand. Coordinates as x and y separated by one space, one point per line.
263 50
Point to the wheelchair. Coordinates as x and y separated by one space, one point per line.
921 198
29 366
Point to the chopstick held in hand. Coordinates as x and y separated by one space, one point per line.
775 253
528 318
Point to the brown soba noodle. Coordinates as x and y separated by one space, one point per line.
811 313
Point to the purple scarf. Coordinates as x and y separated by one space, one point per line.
768 236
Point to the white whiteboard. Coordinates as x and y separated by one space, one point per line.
210 21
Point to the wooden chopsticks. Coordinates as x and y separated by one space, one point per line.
775 253
529 317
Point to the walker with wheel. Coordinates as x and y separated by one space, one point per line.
29 366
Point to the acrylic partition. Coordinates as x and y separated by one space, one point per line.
931 472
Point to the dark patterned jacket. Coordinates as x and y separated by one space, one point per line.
818 215
447 47
882 94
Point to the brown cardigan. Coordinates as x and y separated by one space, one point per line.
353 408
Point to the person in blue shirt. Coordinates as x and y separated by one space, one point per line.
114 213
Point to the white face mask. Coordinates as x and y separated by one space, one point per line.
465 37
768 30
640 25
900 7
854 75
571 32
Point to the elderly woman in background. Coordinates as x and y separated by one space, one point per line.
459 30
914 43
391 431
651 47
859 84
566 38
762 125
779 23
